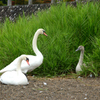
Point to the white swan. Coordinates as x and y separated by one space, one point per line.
35 61
16 77
78 67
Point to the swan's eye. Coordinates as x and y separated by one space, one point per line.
27 59
44 31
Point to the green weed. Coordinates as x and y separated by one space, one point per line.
67 28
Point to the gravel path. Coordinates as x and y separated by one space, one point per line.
53 89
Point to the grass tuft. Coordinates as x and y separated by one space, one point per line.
67 28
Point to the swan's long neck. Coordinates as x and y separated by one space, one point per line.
34 43
81 57
18 69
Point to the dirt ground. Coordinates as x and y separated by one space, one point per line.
53 89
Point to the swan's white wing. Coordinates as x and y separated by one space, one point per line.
8 77
34 62
11 66
12 77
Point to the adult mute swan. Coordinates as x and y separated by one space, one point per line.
16 77
78 67
35 61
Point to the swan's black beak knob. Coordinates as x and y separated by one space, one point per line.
45 33
27 60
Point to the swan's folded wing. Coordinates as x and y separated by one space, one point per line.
8 77
34 62
10 67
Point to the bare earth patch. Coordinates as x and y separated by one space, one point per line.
53 89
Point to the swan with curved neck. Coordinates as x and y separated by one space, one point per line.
16 77
78 67
34 43
35 61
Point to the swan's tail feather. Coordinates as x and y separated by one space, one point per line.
2 71
7 68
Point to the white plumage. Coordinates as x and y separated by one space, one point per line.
16 77
80 62
35 61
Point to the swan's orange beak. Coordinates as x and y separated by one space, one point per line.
45 34
28 62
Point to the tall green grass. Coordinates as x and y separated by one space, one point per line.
67 28
94 58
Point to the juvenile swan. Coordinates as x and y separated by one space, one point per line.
78 67
15 77
35 61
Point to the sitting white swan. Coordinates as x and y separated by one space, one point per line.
35 61
16 77
78 67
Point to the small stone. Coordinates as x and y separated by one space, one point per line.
85 98
44 83
90 75
79 77
40 91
